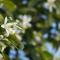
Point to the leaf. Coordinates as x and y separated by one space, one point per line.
14 41
9 5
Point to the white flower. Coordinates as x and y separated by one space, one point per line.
1 57
49 5
9 27
25 21
2 46
1 37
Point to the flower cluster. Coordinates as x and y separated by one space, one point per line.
26 19
10 28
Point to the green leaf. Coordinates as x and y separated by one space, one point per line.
9 5
15 42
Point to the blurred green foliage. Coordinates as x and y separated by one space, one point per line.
45 17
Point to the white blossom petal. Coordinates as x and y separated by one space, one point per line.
5 20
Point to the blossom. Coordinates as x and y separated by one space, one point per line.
10 28
49 5
2 46
1 37
25 21
1 57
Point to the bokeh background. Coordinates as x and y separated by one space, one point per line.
29 29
